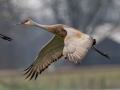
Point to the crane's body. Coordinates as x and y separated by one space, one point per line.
68 42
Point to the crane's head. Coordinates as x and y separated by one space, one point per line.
32 23
26 22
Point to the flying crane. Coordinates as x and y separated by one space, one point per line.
68 42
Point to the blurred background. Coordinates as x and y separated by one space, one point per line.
98 18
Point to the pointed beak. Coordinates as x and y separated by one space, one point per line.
19 23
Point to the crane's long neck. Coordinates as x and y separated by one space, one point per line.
46 27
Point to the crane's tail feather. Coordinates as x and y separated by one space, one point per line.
106 55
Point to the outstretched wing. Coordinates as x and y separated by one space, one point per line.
51 52
76 44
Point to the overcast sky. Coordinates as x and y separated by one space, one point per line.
36 10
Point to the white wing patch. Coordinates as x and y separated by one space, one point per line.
76 47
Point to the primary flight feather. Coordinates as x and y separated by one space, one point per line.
68 42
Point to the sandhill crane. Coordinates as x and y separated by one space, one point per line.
5 37
68 42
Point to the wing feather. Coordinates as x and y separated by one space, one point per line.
77 44
51 52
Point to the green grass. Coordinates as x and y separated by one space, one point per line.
61 79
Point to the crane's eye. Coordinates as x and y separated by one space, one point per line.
26 21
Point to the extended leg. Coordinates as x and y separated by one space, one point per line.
106 55
94 43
